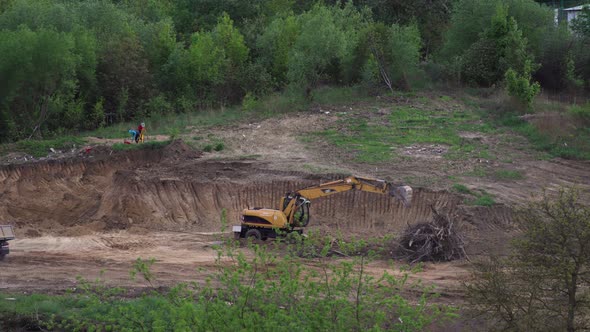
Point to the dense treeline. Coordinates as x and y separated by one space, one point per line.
69 65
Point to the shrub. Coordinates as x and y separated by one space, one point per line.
581 113
157 105
480 63
249 103
520 87
461 189
542 284
95 117
219 147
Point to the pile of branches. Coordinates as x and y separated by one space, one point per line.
433 241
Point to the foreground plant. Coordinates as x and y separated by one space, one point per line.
261 288
543 285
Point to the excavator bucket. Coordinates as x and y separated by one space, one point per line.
403 193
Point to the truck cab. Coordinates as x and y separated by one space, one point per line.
6 234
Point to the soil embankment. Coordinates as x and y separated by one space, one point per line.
172 189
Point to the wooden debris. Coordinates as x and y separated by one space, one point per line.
433 241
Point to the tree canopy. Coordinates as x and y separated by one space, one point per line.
75 65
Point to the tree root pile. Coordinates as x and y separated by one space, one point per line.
433 241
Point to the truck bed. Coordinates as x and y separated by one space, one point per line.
6 232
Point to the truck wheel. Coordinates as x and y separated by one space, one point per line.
2 257
254 234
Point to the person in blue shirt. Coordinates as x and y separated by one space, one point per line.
134 134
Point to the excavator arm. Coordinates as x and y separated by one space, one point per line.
403 193
293 201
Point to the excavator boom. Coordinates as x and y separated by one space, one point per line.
403 193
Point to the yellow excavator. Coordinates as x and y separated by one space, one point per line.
293 215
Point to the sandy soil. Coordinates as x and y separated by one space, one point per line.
52 264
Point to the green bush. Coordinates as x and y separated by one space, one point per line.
521 88
249 103
480 63
461 189
157 105
219 147
581 113
483 200
95 116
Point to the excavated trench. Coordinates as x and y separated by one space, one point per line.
172 189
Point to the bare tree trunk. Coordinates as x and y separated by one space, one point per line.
382 70
42 115
571 307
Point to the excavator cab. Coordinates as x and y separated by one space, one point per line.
300 210
301 215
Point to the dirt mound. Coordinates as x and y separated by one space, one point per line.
178 150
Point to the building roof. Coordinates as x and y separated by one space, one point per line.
575 9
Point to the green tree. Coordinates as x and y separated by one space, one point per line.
501 47
37 68
210 69
543 285
394 54
123 76
431 17
4 5
274 46
321 43
521 87
581 56
581 25
470 18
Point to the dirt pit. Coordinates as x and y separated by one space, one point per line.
102 211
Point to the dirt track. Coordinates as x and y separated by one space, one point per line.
102 210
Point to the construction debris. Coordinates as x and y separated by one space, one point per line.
433 241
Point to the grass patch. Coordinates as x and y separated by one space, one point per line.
508 175
478 197
177 124
371 140
41 148
462 189
478 172
575 145
339 95
484 199
249 157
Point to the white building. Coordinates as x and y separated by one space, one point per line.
573 12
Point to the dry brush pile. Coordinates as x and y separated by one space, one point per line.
437 240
